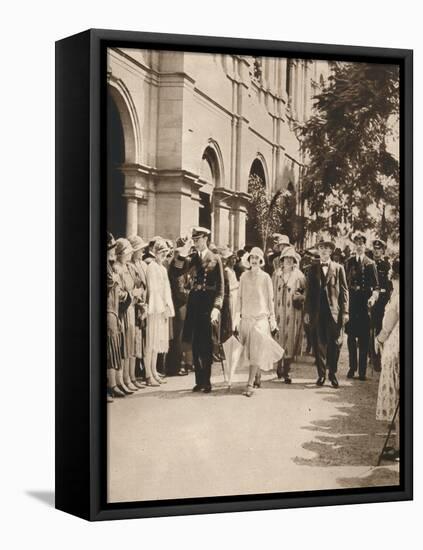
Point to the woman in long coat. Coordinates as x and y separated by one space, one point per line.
255 316
388 342
138 270
159 310
289 285
124 253
116 298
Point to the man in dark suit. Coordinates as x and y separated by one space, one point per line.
204 304
326 311
363 286
383 267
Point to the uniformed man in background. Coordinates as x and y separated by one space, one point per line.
363 287
383 267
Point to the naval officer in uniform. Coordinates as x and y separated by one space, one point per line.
205 300
363 287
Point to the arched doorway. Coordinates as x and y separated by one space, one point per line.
205 214
257 177
116 203
210 174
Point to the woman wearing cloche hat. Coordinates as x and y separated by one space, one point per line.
124 253
289 285
255 316
138 270
159 309
116 298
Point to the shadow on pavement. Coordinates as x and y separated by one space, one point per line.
355 437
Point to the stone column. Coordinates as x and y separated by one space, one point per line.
142 219
131 216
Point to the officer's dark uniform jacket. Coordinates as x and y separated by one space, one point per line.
362 281
207 289
385 290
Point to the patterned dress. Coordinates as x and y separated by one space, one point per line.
389 385
288 288
127 315
116 298
138 270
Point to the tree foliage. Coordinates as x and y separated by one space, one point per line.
269 214
348 144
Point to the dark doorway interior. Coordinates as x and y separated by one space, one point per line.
252 236
116 204
205 214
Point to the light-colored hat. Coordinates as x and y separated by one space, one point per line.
123 246
160 245
137 243
281 239
200 232
256 251
289 252
225 252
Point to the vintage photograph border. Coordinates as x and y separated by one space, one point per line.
87 446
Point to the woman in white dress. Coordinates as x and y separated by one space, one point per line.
255 316
387 342
159 309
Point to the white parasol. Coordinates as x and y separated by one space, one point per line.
233 350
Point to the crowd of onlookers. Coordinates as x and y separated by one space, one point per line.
148 294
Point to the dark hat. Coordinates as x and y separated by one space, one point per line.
326 242
378 243
200 232
313 252
180 241
111 243
358 235
338 252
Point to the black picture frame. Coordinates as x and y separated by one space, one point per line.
80 257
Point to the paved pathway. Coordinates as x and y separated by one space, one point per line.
168 442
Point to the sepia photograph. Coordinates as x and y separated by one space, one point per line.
253 275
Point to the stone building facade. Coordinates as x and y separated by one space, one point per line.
193 127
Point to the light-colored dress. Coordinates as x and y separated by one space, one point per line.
389 381
159 309
289 319
255 308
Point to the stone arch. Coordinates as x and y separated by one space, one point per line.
212 213
129 118
213 155
120 97
259 167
